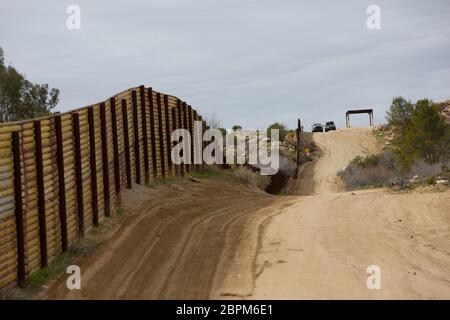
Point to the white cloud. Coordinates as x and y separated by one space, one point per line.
252 62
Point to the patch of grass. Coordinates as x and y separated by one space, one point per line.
38 278
207 172
246 176
161 182
118 212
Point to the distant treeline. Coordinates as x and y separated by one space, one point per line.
419 132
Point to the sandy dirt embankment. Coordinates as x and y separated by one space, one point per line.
336 149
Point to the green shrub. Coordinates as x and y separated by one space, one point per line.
373 170
420 132
430 180
282 130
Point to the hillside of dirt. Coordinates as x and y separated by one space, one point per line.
335 150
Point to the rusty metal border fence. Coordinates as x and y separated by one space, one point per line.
62 175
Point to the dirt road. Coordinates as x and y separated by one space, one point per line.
223 239
320 247
171 241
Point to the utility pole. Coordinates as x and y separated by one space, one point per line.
298 131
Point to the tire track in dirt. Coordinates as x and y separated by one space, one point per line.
173 242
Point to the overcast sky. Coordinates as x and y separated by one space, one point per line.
249 62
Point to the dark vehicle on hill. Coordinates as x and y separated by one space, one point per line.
330 126
317 127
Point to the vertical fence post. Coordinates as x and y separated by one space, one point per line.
202 144
61 183
126 139
105 160
191 130
40 193
18 211
144 133
185 126
93 165
112 102
168 143
198 140
161 137
204 128
153 132
137 156
299 129
174 127
78 171
180 126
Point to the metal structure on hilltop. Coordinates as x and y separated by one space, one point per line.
357 111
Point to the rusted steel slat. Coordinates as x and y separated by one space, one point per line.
144 133
202 144
168 144
78 171
191 130
185 126
174 124
40 193
18 210
137 156
115 145
105 160
299 129
153 132
180 125
161 137
126 142
61 183
93 164
197 147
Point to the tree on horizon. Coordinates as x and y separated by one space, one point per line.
21 99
